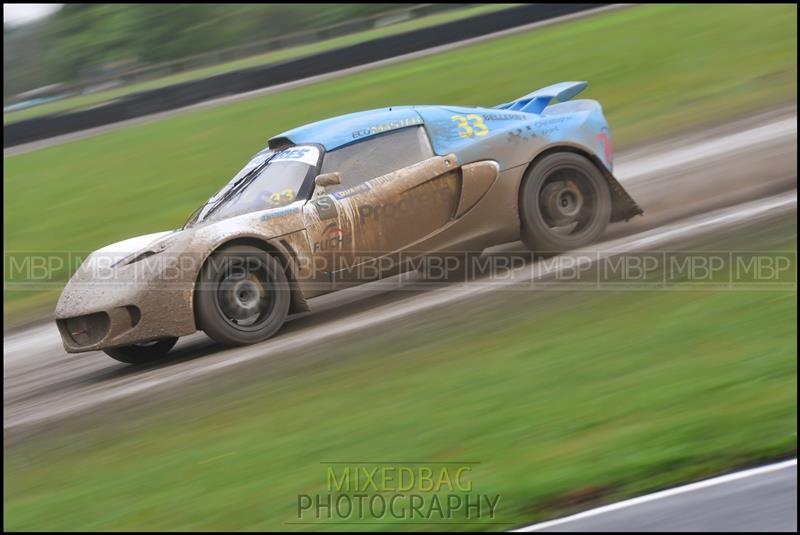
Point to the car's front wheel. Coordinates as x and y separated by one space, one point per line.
565 203
143 352
242 296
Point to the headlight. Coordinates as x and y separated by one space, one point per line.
150 250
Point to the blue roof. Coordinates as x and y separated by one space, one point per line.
338 131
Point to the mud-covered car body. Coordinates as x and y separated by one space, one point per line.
414 180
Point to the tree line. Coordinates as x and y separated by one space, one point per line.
82 40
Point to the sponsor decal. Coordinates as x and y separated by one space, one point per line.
306 155
352 191
258 159
385 127
605 143
332 238
281 198
503 117
404 207
544 127
547 127
326 207
279 212
520 134
550 122
471 125
383 179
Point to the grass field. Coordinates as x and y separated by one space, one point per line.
657 70
561 397
252 61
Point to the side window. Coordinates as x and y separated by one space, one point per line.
377 156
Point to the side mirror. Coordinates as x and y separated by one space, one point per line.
328 179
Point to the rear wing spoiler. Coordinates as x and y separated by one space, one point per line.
538 100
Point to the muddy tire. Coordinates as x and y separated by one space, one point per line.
242 296
143 353
565 203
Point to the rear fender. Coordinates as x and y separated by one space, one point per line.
623 207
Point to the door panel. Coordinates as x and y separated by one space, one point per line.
357 232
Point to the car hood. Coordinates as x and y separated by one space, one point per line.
264 224
119 250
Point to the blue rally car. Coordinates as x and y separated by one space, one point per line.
347 200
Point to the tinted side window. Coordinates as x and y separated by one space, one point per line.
377 156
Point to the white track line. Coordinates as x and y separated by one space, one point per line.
704 484
676 158
721 218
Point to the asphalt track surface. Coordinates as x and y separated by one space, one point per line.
688 187
759 499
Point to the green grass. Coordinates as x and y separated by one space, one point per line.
557 395
252 61
657 70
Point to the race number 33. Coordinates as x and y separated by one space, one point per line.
471 125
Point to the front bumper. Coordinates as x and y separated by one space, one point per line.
103 307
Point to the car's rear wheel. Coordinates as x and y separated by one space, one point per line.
143 352
242 297
565 203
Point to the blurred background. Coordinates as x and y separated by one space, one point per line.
55 51
120 119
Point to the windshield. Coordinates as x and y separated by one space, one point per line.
269 180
